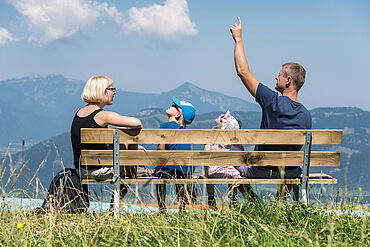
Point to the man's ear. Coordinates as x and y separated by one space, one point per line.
290 82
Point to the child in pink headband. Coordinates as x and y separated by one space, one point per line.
224 121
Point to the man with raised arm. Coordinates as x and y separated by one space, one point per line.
283 111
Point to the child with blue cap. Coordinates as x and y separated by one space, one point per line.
180 114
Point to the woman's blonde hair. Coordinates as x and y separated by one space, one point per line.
94 90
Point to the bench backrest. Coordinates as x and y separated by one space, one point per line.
210 136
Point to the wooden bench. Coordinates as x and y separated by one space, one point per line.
305 158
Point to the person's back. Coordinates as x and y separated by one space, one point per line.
280 112
83 119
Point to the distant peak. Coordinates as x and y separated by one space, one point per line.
188 86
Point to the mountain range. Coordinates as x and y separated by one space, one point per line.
35 108
47 157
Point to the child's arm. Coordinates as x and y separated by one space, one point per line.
239 147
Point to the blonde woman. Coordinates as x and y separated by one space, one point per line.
98 93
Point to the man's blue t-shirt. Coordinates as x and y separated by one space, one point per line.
185 169
280 112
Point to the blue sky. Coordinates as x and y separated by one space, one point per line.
154 46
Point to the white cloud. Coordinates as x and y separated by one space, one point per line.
110 11
168 21
5 36
49 20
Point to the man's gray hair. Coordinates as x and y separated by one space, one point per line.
296 72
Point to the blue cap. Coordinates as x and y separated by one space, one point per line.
188 110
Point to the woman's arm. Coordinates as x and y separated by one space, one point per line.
105 118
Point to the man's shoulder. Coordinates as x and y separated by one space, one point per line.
262 88
265 96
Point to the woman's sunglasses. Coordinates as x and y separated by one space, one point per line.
113 89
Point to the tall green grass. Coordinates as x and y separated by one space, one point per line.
266 224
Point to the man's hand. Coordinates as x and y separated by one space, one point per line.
236 31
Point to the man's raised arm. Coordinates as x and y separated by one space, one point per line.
241 64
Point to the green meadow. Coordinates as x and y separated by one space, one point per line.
248 224
333 218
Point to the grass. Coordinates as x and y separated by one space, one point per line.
268 224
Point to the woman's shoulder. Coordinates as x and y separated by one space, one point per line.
87 111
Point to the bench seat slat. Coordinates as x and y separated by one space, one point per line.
211 136
326 179
209 158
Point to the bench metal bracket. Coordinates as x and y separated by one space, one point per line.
116 173
306 167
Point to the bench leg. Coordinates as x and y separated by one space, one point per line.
306 168
116 198
124 189
116 173
305 198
